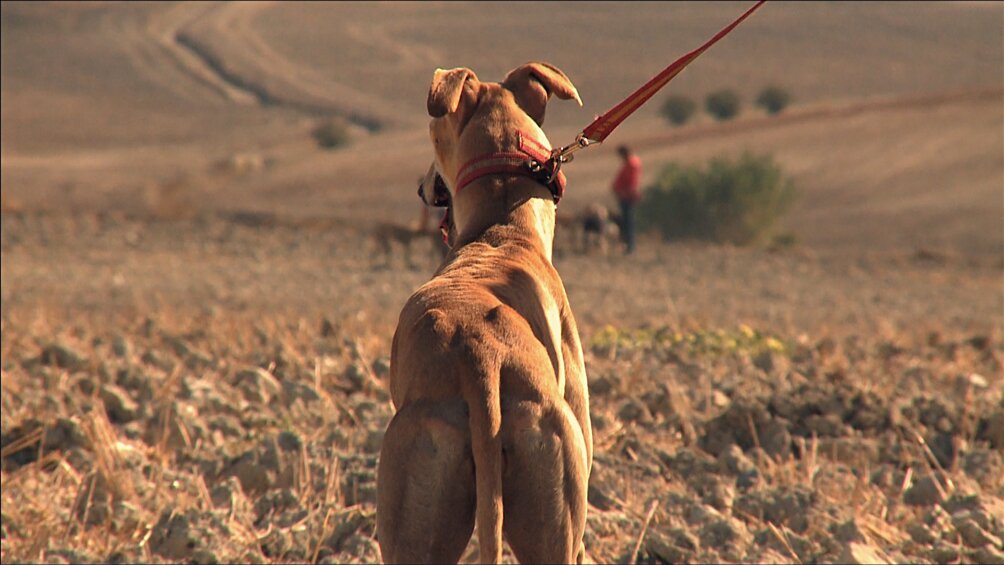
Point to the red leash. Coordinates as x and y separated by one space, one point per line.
602 126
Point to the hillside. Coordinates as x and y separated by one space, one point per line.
112 105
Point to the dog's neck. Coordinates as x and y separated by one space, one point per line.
525 206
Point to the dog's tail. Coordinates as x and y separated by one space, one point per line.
486 437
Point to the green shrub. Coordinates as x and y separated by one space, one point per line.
678 109
729 201
331 133
773 99
722 104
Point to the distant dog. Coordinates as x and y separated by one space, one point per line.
387 234
487 374
599 228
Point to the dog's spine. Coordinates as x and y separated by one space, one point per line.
486 431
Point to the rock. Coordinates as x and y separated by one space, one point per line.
747 423
293 391
275 503
174 535
633 411
923 492
121 347
672 405
991 429
972 534
767 361
61 555
347 523
599 499
787 505
732 460
229 495
85 384
727 535
361 549
983 464
938 520
676 545
944 553
979 342
257 385
124 556
261 469
826 425
381 367
987 511
64 434
775 439
862 554
276 544
848 531
359 487
719 494
126 516
783 541
989 555
696 514
921 533
749 479
289 441
853 451
121 408
155 359
374 439
357 377
94 502
600 385
62 356
178 427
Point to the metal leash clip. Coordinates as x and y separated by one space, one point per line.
561 155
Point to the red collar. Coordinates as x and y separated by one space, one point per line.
522 162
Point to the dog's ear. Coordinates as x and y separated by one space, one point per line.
449 89
533 83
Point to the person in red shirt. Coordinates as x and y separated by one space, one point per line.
628 193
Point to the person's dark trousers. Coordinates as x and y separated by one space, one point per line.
627 224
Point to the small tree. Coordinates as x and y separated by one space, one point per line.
737 202
331 133
773 99
678 109
722 104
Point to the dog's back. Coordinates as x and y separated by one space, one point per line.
486 365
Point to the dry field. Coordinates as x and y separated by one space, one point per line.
196 313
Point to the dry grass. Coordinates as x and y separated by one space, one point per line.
161 430
195 328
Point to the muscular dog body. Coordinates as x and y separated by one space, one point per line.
487 376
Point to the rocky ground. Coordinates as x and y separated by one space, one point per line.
213 390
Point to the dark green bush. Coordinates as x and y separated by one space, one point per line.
729 201
331 133
773 99
678 109
722 104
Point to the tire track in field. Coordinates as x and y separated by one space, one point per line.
225 41
147 40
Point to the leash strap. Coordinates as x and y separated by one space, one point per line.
603 125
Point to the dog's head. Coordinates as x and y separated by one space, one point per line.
471 118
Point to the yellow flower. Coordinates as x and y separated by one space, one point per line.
774 344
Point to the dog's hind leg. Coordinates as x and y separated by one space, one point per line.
544 483
425 484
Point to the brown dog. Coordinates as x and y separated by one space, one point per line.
487 374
